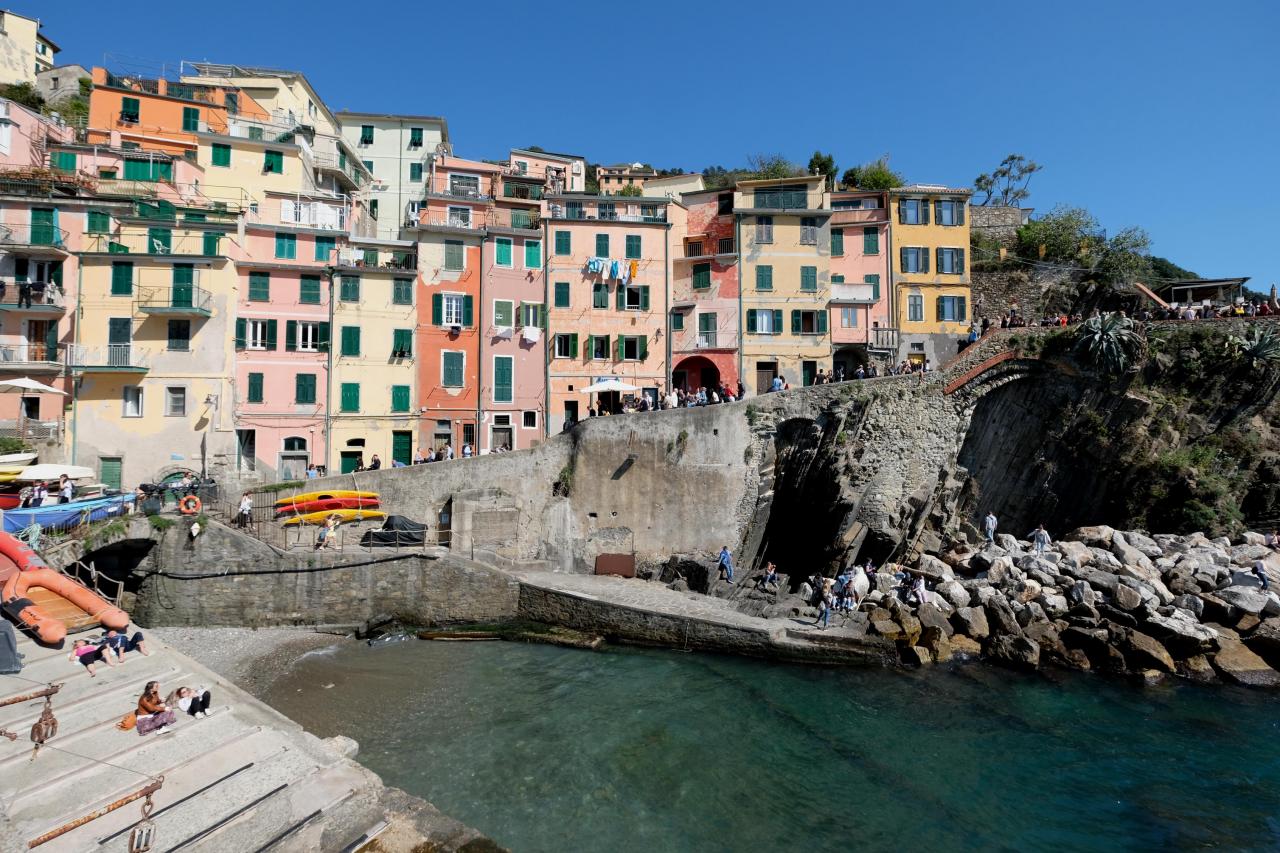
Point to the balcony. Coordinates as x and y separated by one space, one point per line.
175 246
128 189
317 215
37 298
32 358
577 213
461 192
883 339
530 192
528 220
35 239
112 358
373 259
175 301
705 340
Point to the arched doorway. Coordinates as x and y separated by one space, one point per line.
695 372
846 360
294 458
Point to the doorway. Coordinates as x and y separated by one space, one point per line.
110 469
350 459
119 341
246 450
570 412
31 408
501 436
765 373
808 372
402 447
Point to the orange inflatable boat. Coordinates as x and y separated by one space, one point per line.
22 571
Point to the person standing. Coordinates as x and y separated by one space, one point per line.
989 525
1040 539
66 489
1260 572
726 563
245 512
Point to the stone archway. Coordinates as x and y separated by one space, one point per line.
850 357
698 372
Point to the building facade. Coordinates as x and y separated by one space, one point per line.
561 173
705 295
398 151
859 319
612 180
24 50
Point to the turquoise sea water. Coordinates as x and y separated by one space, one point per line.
549 749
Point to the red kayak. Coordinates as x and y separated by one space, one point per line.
326 505
10 500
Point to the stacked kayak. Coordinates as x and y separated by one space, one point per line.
317 507
344 515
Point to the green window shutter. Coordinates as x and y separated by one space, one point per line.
542 316
502 251
795 322
533 254
468 316
63 161
366 134
55 275
240 333
573 346
437 309
702 276
370 257
808 278
939 259
273 162
121 278
350 340
271 334
402 342
290 335
210 244
324 248
822 322
564 243
399 398
960 261
633 246
836 278
453 255
777 321
924 260
870 240
402 291
938 307
961 310
837 241
415 137
562 294
642 348
602 245
644 297
503 313
304 388
924 211
452 369
190 119
677 320
350 396
960 206
287 246
159 241
255 388
139 170
322 339
350 288
599 295
874 281
415 172
259 287
764 277
751 320
221 154
309 290
621 301
502 374
130 109
99 222
902 259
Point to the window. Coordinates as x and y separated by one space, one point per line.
368 166
566 346
287 246
148 170
632 348
159 241
415 172
503 378
874 281
764 229
459 217
309 290
702 276
724 246
402 291
64 161
913 211
260 334
255 131
259 287
308 337
349 288
451 368
951 309
633 246
209 243
453 309
677 321
598 347
530 420
324 248
764 321
122 278
350 397
533 314
502 251
949 212
254 394
190 119
464 186
129 110
399 398
837 278
415 137
724 204
562 294
951 261
304 389
915 308
564 242
273 162
402 343
606 211
871 240
350 341
914 259
764 277
848 317
808 322
633 297
175 401
132 401
707 326
454 257
808 230
366 134
180 335
602 245
837 242
504 311
532 254
809 278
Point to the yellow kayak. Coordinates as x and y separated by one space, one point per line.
324 496
344 515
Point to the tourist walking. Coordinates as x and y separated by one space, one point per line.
920 592
725 564
825 601
989 525
1040 539
1260 572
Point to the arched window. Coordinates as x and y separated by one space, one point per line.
295 442
355 442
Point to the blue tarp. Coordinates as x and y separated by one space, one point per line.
66 515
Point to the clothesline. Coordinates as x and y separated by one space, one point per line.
609 268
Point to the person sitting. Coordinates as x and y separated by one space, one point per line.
120 644
375 463
195 702
153 714
88 655
769 578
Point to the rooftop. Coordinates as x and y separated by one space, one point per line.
549 155
931 188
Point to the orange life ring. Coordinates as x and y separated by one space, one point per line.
189 505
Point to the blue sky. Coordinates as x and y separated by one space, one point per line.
1159 114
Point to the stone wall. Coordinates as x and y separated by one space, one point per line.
996 223
1033 291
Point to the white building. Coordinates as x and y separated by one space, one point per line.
398 150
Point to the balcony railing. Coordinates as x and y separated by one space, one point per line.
781 199
467 193
314 215
110 357
558 212
38 297
706 340
193 245
533 192
526 219
33 235
32 356
394 260
883 339
178 299
131 189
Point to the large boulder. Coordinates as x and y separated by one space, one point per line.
916 656
932 618
1082 593
1129 555
983 560
1098 535
1181 634
962 645
954 593
1127 598
933 569
1017 652
1143 543
1027 590
971 621
1150 576
1144 652
1265 641
1235 663
1197 668
1077 551
1054 604
1007 542
1250 600
1000 617
1106 561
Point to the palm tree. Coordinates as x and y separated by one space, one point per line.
1110 343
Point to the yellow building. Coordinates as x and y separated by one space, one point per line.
929 234
24 50
784 237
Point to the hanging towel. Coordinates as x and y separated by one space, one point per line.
626 274
613 269
635 268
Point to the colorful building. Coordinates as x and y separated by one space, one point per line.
614 179
24 50
705 304
562 173
397 150
859 320
608 276
785 238
930 275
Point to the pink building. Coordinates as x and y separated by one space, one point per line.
562 173
859 321
704 296
26 136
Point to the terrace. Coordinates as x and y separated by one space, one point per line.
178 300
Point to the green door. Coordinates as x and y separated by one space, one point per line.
402 447
350 458
110 468
183 278
119 341
42 231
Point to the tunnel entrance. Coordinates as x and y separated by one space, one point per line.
119 560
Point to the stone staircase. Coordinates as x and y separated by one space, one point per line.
244 779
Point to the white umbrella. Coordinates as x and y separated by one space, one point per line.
608 385
50 471
17 386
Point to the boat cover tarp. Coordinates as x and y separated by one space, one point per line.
66 515
397 532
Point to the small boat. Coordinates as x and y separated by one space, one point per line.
19 460
344 515
326 504
324 496
66 515
32 591
10 499
50 471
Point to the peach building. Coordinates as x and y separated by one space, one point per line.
705 337
860 321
